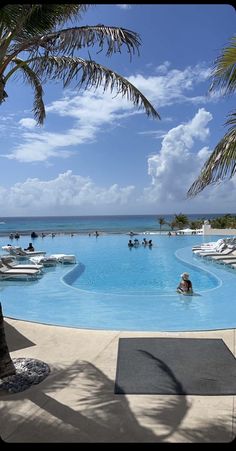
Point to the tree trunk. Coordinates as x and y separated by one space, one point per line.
6 365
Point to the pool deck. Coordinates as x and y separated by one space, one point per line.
76 402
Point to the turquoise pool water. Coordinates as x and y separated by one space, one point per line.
117 288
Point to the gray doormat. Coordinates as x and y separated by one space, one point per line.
169 366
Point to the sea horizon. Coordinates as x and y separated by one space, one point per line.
85 224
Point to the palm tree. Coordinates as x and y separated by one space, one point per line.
196 224
34 44
181 220
221 164
161 221
173 225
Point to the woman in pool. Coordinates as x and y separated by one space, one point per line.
185 285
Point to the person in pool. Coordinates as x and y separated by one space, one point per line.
30 248
185 285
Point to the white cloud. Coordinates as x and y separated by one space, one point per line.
174 168
67 193
173 86
27 122
90 111
163 68
154 133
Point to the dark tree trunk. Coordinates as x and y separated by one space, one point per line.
6 365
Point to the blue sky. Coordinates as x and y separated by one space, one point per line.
97 154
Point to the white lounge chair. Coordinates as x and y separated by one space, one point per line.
46 261
223 250
64 258
229 256
11 265
6 273
212 245
19 252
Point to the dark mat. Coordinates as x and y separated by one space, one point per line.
180 366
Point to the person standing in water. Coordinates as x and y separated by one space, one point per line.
185 285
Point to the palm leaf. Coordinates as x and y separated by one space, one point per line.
34 81
67 41
224 70
220 166
222 163
38 18
89 74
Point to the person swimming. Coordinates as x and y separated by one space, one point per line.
185 285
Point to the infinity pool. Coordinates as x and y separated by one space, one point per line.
117 288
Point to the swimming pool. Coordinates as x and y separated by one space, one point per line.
116 288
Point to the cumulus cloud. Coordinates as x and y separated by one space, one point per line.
67 193
176 165
90 111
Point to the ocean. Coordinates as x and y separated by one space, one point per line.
89 224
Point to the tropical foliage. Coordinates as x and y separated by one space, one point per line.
35 45
196 224
223 222
221 165
181 220
161 221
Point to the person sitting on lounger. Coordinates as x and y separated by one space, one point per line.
185 285
30 248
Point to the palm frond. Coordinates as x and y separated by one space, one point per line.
88 74
67 41
224 70
39 18
114 37
231 121
220 166
34 81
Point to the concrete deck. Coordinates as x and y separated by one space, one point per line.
76 402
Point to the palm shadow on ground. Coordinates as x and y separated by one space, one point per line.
97 414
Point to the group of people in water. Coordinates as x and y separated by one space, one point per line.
136 243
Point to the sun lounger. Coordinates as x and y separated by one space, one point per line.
222 252
6 273
230 255
64 258
9 265
44 260
19 252
23 253
212 245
